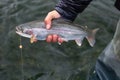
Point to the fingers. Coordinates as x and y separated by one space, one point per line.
49 38
54 38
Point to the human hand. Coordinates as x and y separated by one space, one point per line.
48 21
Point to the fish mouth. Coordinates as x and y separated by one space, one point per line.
19 30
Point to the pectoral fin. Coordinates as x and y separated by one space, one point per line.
33 39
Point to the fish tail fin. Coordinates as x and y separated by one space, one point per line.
91 37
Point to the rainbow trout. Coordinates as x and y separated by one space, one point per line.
66 30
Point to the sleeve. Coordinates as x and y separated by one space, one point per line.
69 9
117 4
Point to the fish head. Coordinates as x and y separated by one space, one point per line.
24 31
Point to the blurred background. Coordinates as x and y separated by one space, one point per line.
50 61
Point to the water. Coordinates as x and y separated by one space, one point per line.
49 61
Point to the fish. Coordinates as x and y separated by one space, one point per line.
65 29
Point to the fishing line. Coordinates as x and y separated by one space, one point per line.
21 58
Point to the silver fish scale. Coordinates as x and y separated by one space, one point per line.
60 29
64 33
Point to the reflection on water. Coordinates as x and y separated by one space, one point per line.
45 61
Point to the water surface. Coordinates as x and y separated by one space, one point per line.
49 61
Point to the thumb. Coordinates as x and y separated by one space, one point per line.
48 21
51 15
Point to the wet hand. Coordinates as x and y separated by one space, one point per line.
54 38
48 21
